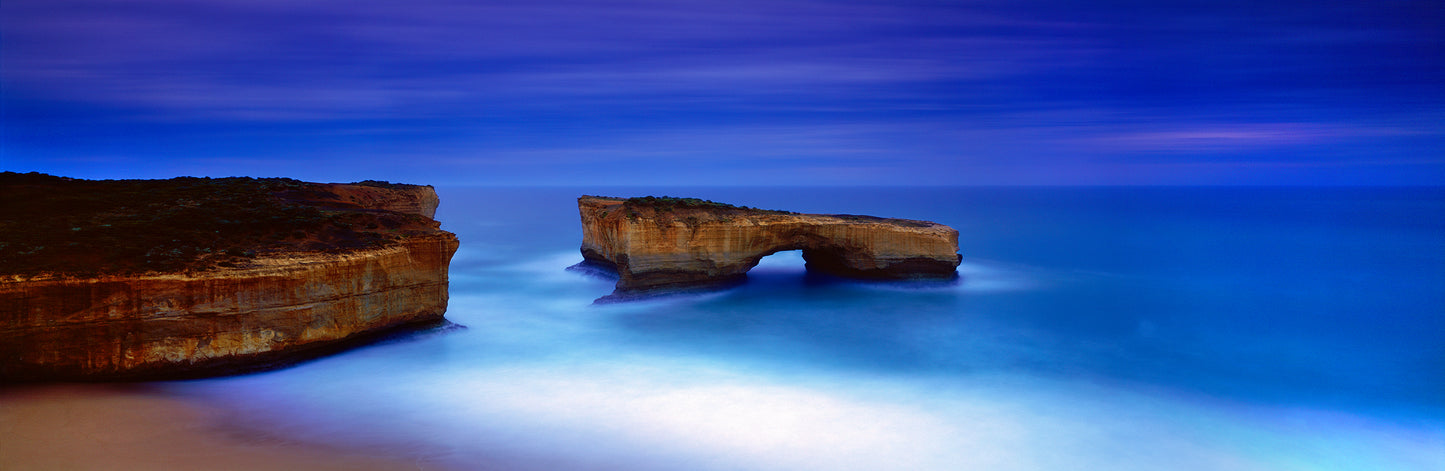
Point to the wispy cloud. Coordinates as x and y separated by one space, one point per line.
837 91
1199 138
314 60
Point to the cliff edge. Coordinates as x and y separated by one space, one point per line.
668 243
189 277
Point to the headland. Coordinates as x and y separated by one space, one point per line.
188 277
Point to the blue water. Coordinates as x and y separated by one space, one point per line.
1092 328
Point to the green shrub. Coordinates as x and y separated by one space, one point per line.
665 204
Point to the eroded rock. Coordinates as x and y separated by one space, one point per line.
292 299
663 244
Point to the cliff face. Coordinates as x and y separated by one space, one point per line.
174 325
277 306
658 248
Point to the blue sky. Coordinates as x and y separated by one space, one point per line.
745 92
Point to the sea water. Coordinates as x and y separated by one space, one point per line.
1091 328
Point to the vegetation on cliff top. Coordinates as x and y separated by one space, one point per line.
668 204
51 224
664 204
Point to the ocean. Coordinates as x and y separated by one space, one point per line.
1090 328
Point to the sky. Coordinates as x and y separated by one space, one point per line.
738 92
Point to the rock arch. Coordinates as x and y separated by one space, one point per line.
655 246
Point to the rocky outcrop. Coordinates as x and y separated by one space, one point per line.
274 308
380 196
671 243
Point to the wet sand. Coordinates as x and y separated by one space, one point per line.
136 427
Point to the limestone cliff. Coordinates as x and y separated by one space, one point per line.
291 299
672 243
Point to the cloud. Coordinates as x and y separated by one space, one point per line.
910 91
1231 136
1223 137
340 60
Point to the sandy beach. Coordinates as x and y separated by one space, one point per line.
135 427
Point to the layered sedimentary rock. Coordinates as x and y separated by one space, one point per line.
267 309
668 243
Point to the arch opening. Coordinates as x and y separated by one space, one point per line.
781 262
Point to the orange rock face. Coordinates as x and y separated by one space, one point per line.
654 248
282 306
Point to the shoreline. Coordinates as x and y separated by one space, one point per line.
138 426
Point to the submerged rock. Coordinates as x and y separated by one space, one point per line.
278 270
671 243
